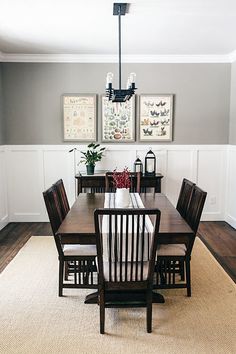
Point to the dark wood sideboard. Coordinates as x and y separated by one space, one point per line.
96 183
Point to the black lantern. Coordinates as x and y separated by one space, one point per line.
138 165
150 164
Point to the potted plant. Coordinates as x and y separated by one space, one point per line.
91 156
121 181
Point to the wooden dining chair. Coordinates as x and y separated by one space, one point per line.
82 257
126 251
135 182
65 207
63 200
184 196
170 256
182 207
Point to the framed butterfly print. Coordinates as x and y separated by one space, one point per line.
155 117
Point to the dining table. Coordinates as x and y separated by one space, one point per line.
78 225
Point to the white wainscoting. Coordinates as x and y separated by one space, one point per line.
33 168
58 163
3 189
25 172
230 213
211 177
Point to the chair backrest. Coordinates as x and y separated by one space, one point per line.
184 197
126 245
195 208
54 212
61 192
135 180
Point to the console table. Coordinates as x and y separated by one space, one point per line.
96 183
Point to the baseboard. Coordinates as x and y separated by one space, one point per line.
215 216
28 217
4 221
231 221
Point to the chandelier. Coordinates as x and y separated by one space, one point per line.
120 95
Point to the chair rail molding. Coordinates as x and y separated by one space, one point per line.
31 169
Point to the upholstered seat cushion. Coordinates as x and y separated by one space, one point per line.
80 250
175 249
106 271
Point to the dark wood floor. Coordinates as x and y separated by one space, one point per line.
219 237
15 235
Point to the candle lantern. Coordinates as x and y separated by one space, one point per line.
150 164
138 165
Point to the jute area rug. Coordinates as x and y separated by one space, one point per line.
33 319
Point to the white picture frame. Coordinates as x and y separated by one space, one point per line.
80 117
118 121
155 117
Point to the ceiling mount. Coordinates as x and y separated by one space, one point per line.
120 9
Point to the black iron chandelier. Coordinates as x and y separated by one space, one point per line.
120 95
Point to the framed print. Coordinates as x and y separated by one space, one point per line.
155 117
118 121
79 117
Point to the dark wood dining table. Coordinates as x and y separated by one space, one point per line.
78 225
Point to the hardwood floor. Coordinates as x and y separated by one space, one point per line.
218 236
15 235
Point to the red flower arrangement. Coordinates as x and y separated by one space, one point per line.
121 179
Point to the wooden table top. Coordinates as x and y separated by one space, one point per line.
78 225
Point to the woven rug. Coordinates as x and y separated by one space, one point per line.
33 319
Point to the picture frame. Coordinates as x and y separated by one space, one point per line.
156 117
80 117
118 121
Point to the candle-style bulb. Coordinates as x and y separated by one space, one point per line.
132 78
128 83
109 79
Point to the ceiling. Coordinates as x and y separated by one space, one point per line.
160 27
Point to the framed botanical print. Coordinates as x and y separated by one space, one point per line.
155 117
79 117
118 121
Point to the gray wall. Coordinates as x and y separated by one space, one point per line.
1 109
32 97
232 126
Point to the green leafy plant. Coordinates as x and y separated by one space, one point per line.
93 154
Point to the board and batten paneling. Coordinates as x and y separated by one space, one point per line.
212 177
59 163
3 189
117 158
25 173
230 214
179 165
33 168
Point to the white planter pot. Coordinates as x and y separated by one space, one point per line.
122 198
